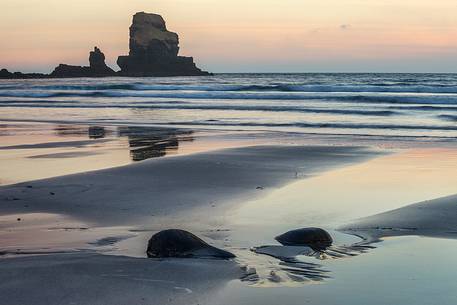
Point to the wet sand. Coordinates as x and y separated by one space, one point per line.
106 279
432 218
144 195
94 225
56 150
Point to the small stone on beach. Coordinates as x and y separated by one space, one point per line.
315 238
182 244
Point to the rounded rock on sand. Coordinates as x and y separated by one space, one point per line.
182 244
315 238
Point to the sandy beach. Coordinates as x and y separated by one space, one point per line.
134 201
92 227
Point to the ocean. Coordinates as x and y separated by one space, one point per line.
387 105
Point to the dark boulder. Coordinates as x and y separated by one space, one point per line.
182 244
315 238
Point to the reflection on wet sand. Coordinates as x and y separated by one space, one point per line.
144 142
96 132
70 130
93 132
150 142
67 149
4 130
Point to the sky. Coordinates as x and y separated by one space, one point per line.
241 35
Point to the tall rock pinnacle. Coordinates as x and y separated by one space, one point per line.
97 63
154 50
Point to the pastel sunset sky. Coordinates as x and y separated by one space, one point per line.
241 35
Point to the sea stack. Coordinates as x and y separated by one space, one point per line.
154 50
97 67
97 63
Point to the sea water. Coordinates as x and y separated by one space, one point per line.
407 105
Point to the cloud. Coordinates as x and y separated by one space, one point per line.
345 27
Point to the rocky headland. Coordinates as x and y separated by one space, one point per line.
153 52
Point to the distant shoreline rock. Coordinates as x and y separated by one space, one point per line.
153 52
5 74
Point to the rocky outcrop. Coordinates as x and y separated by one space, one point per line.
97 63
97 67
63 71
5 74
154 50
